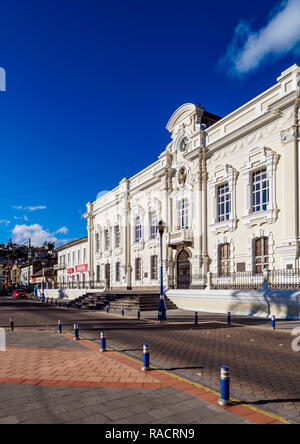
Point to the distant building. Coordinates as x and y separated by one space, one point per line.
72 264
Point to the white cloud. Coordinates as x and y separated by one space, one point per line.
4 221
30 207
35 232
62 230
101 193
280 36
38 207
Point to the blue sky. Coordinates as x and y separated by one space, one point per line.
92 84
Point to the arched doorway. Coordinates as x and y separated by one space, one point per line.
183 270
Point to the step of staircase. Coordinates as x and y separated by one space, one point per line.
128 300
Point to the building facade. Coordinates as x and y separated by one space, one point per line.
72 264
227 189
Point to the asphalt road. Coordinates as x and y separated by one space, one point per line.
264 368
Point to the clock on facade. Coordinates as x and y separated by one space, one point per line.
183 144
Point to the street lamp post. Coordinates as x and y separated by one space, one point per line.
162 309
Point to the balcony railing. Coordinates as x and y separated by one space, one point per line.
276 279
181 236
87 285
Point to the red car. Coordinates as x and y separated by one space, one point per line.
19 293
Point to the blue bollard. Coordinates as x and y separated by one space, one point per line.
12 324
196 317
146 358
95 307
229 318
76 332
225 386
273 322
103 342
59 326
122 311
139 315
106 309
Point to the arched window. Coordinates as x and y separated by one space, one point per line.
183 214
261 254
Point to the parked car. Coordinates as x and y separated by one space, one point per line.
19 293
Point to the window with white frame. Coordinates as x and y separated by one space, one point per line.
261 254
154 269
106 239
224 202
138 229
138 269
224 259
84 255
183 214
118 271
117 236
97 242
73 257
98 273
260 190
153 225
78 257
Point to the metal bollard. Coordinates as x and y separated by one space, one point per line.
139 315
76 332
103 342
225 386
196 317
12 324
122 311
273 322
59 326
146 358
229 318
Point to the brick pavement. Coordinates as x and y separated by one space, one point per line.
67 381
194 353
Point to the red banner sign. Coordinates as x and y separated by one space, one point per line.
70 270
81 268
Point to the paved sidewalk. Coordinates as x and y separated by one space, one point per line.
49 378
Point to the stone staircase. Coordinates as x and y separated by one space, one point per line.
116 300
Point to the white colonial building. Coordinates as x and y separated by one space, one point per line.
228 190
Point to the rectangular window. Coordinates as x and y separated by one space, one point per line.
98 273
106 239
224 203
154 271
183 214
84 255
138 229
224 260
261 254
118 271
78 257
260 191
117 237
138 269
97 241
153 225
73 258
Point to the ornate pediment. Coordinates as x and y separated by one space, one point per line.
183 116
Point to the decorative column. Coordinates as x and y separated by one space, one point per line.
90 228
202 177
